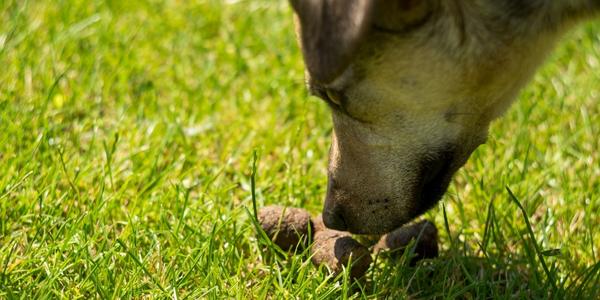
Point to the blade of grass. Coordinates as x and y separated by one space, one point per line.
253 184
139 263
538 251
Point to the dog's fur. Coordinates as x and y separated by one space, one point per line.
413 86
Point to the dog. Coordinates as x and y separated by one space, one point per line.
413 86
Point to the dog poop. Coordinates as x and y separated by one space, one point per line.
338 250
426 241
286 226
290 227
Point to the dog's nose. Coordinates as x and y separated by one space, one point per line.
334 219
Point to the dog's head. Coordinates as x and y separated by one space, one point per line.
413 86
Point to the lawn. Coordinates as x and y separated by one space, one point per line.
127 136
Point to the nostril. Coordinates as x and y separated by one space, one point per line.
334 219
333 212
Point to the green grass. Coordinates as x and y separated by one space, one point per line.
127 133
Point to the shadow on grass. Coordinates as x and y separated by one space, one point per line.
457 276
501 267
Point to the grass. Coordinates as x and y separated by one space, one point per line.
127 139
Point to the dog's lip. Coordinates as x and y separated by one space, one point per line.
435 181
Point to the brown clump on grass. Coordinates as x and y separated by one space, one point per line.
338 250
424 234
287 227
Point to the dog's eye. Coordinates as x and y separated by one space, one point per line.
334 96
397 17
337 100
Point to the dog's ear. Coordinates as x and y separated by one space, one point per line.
330 32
